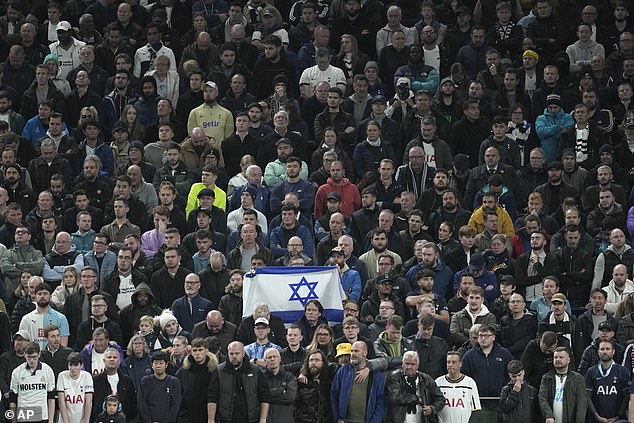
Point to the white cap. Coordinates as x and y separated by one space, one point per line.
63 26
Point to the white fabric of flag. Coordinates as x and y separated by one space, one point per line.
287 289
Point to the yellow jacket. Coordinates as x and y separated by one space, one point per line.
505 224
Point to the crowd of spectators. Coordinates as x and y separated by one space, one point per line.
466 166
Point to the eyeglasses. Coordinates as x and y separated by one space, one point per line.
386 308
323 334
98 305
191 282
485 335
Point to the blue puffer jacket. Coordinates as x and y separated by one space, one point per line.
549 128
342 387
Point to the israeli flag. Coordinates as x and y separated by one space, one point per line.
287 289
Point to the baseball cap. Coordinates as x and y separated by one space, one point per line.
51 56
63 26
344 349
336 249
555 164
403 80
23 334
507 280
559 297
476 262
119 126
334 196
378 99
605 325
268 12
211 84
447 79
283 140
461 162
261 321
384 278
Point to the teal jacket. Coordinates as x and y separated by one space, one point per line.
549 129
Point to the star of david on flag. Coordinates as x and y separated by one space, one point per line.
286 290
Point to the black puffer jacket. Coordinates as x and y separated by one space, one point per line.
194 379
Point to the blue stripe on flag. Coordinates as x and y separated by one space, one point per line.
287 270
291 316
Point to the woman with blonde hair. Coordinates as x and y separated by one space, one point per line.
324 341
129 116
137 363
350 59
69 285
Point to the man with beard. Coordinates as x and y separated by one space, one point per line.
354 400
576 267
98 188
230 304
227 400
430 199
293 180
142 304
379 244
562 393
257 127
121 226
605 178
277 171
174 169
282 387
350 278
216 121
312 404
534 265
618 288
15 120
449 210
412 393
608 207
429 258
365 219
554 190
607 385
44 315
17 189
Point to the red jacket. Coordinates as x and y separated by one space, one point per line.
350 198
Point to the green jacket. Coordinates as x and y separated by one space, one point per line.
575 398
17 259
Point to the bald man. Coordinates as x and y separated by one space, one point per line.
61 256
216 325
246 407
191 308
